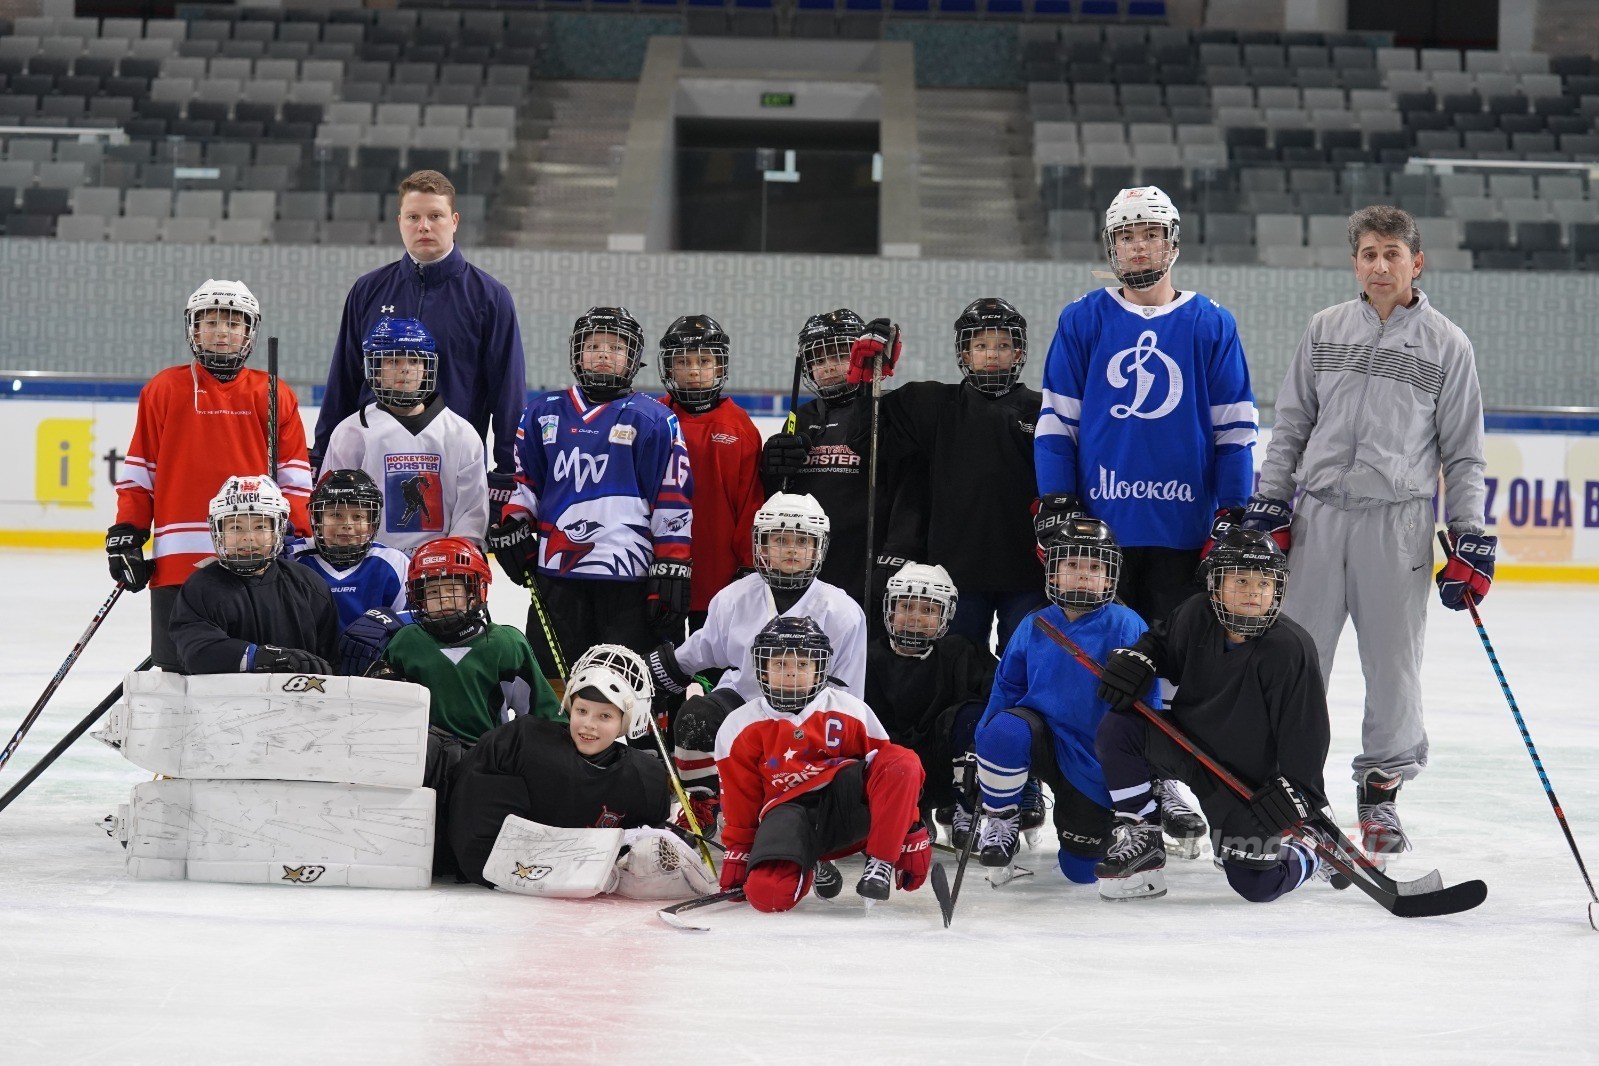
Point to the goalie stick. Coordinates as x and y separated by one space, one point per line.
1424 897
672 915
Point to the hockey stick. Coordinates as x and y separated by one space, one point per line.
941 886
66 742
677 787
272 408
557 655
1422 898
1526 738
871 464
60 674
791 423
670 915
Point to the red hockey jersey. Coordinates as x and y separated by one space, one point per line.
766 757
191 434
724 451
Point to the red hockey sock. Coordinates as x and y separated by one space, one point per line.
893 784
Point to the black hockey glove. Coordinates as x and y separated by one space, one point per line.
1227 519
501 489
366 638
1469 570
1127 675
784 456
667 674
271 659
1272 517
1278 806
1051 512
124 549
666 593
515 547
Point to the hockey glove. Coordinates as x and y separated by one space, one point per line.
501 488
1227 519
915 859
124 549
1271 517
515 547
1278 806
1051 512
1470 569
667 674
271 659
1126 677
365 639
784 456
871 349
735 868
666 593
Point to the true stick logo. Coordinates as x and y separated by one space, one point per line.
1137 361
305 683
303 875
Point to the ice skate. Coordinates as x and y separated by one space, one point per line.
1134 868
875 881
826 881
1184 829
1000 836
1381 833
1032 804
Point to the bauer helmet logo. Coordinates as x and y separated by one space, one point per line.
531 873
305 683
303 875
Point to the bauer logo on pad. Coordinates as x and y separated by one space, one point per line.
305 683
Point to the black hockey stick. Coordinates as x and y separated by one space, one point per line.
67 741
1423 898
1526 738
946 894
60 674
672 915
871 462
272 408
791 424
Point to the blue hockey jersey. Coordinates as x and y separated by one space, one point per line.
1148 416
1038 674
376 581
608 485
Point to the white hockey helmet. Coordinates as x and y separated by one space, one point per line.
919 583
621 679
244 496
239 307
1145 205
789 512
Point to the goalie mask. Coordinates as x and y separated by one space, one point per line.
824 346
789 539
1141 236
448 583
693 361
919 606
1244 575
1082 564
248 518
611 342
991 345
402 362
220 319
791 656
616 675
346 506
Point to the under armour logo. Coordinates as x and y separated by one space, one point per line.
387 309
1137 359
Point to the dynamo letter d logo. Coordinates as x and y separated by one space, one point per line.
63 468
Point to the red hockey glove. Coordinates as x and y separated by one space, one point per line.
871 349
1227 519
915 859
735 869
1470 569
1271 517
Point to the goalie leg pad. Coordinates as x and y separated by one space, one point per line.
659 865
542 860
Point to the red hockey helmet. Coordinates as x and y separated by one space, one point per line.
454 575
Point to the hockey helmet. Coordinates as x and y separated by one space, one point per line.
1129 212
783 642
615 675
799 515
230 314
240 499
1233 576
345 542
829 337
917 586
406 349
461 563
699 334
615 333
1082 564
986 324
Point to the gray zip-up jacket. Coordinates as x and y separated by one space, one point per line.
1370 410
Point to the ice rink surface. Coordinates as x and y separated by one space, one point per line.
97 968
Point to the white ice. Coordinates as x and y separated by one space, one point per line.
95 967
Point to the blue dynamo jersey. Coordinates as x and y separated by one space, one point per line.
376 581
1148 416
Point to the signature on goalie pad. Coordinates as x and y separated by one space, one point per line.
303 875
305 683
532 873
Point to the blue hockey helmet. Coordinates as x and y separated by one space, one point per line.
779 650
405 348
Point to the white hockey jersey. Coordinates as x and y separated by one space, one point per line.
742 609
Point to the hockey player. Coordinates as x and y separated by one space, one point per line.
724 450
602 511
360 572
810 774
789 544
198 424
956 450
1249 692
1381 395
1148 419
427 458
251 613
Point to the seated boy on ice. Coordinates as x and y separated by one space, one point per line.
1249 692
346 507
808 773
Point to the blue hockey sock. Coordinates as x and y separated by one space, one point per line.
1077 868
1003 748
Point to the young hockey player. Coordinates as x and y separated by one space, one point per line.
1249 692
1148 420
604 474
198 424
789 542
809 774
360 572
962 449
724 450
250 613
427 458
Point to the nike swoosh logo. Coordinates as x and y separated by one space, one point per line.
1418 566
1409 345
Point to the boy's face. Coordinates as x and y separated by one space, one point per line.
788 551
402 371
695 369
596 725
916 616
427 225
221 329
244 535
791 673
990 350
446 595
604 353
1140 245
345 525
1081 573
1249 593
828 362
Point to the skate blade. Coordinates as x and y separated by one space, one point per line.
1032 837
1184 847
1000 877
1146 885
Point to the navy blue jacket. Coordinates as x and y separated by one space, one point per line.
472 320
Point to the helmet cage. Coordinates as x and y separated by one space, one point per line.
789 700
402 398
918 583
233 305
347 492
700 396
242 497
449 559
1244 625
627 339
775 518
992 382
1063 551
621 676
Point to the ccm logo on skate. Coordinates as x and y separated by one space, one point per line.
303 875
532 873
305 683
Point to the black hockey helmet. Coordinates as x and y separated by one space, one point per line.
1093 561
345 543
783 636
694 333
826 335
981 316
1238 553
629 343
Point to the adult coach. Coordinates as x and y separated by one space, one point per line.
1380 394
469 314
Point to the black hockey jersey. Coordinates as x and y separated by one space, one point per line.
219 615
910 695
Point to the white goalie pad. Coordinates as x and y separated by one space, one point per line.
284 727
542 860
659 865
280 833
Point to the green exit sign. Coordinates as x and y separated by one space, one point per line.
777 99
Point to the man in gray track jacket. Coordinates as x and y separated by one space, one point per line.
1382 393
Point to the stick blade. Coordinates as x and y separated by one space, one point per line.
1593 918
1452 900
946 905
1421 886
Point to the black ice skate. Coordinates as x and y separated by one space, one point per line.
960 825
826 881
1380 831
1134 868
1000 837
1184 828
1032 803
874 883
